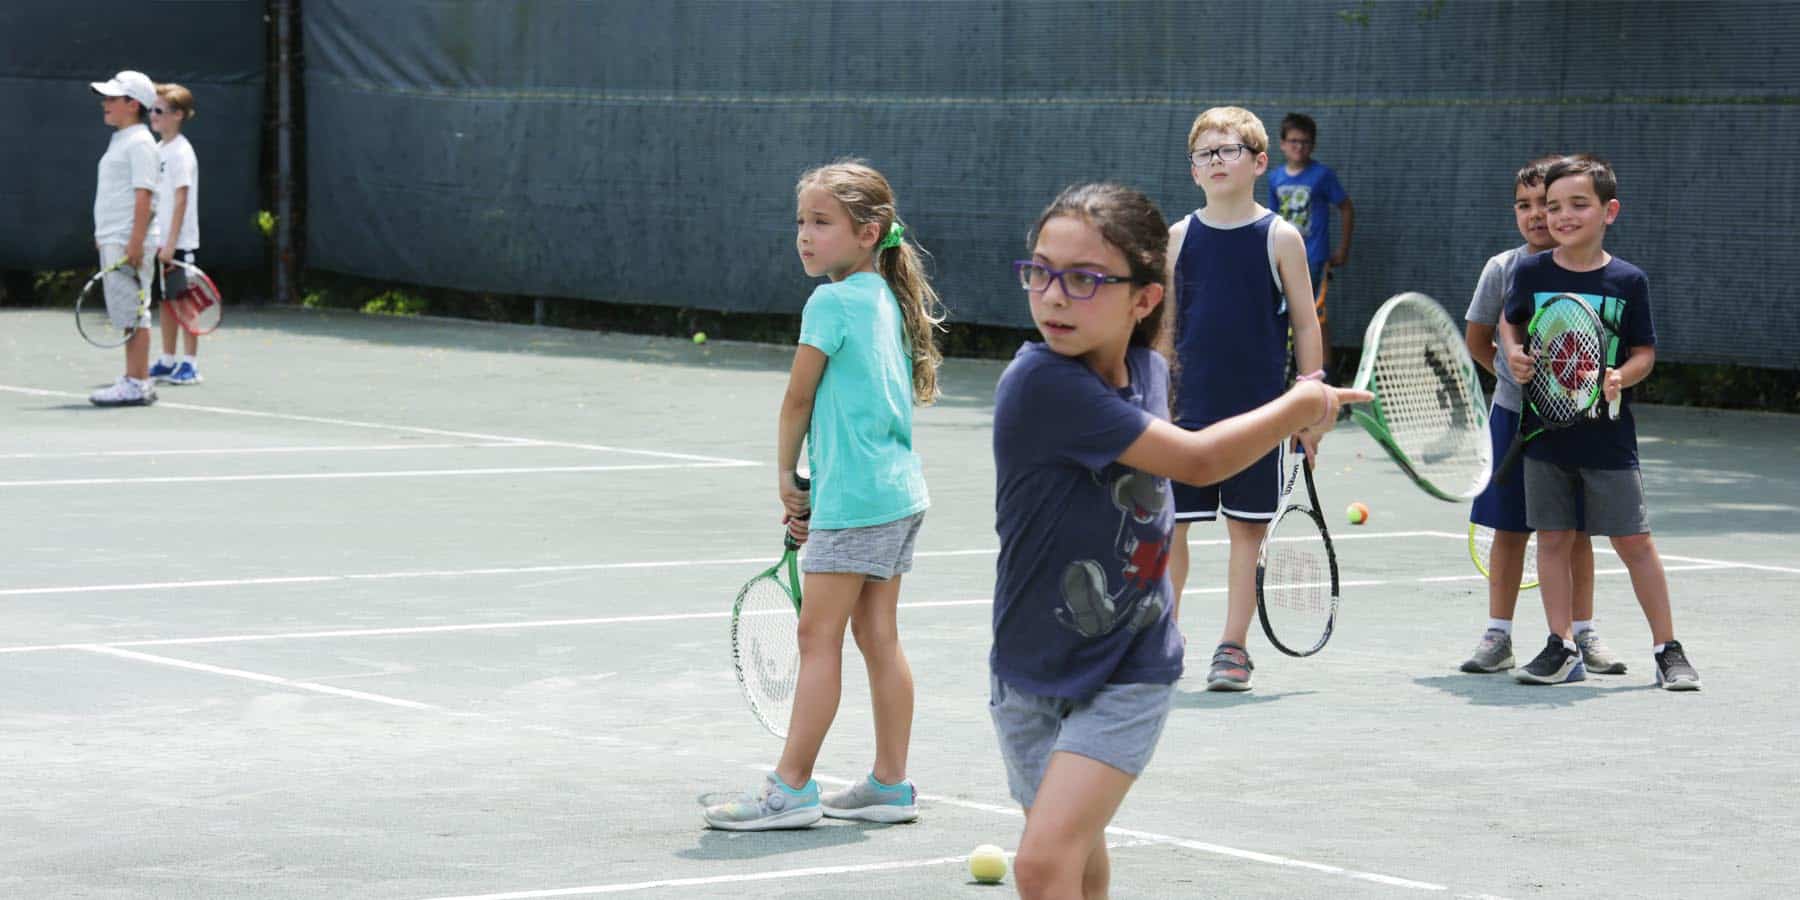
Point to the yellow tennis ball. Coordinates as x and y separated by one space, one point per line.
988 864
1358 513
699 337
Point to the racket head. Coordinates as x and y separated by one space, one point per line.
1481 548
1297 582
1429 411
93 319
194 299
1567 342
765 645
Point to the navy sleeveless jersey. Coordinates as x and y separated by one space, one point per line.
1231 322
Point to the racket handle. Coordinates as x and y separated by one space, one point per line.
1612 408
1503 472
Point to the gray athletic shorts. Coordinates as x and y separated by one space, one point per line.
1614 499
122 303
878 551
1119 727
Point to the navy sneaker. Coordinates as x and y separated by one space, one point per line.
160 371
184 373
1555 664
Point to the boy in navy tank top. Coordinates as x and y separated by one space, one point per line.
1230 263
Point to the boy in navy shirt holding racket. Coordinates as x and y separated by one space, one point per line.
1597 460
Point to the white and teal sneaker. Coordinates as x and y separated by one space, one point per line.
771 806
871 801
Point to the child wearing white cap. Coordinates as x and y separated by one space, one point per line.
123 200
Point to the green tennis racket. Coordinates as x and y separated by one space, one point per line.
1429 412
765 639
1567 343
1481 549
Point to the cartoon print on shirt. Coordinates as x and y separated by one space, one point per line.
1296 205
1089 609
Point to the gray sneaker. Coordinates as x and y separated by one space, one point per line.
871 801
771 806
1231 667
1596 656
1493 654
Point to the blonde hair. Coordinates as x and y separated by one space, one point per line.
1232 120
867 197
179 97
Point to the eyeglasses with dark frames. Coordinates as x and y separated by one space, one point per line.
1226 152
1077 284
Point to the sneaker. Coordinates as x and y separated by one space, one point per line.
1673 671
160 371
1230 670
124 392
1555 664
1596 657
871 801
771 806
1493 654
184 373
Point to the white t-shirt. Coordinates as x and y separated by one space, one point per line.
129 163
180 168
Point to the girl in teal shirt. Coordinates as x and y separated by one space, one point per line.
866 356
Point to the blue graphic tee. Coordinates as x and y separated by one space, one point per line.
1081 595
1305 200
1620 293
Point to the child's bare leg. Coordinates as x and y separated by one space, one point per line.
1506 568
1075 800
1240 578
190 342
875 624
1556 581
1581 568
1648 581
137 354
1178 568
1097 876
169 327
829 599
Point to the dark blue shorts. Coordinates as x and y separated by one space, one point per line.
1501 505
1250 495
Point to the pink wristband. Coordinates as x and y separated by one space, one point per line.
1316 375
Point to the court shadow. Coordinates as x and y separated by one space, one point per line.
1204 699
1499 689
714 844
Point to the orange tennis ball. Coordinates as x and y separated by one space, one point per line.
1358 513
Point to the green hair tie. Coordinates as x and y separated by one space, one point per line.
895 232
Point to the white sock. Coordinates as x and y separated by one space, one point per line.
184 358
1500 625
165 360
142 383
1570 646
1584 625
1658 648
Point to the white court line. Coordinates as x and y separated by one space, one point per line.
412 429
254 676
518 570
407 473
234 451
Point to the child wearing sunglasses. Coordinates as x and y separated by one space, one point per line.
178 217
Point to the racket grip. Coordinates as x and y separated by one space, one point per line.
1503 472
1612 408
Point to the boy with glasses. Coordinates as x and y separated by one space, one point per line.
1233 267
1303 191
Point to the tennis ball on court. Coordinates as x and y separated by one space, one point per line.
699 337
988 864
1358 513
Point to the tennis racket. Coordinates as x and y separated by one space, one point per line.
1429 412
191 297
1297 574
765 639
94 321
1481 547
1567 343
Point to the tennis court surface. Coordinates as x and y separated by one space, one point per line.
421 609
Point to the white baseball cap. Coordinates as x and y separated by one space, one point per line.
135 85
